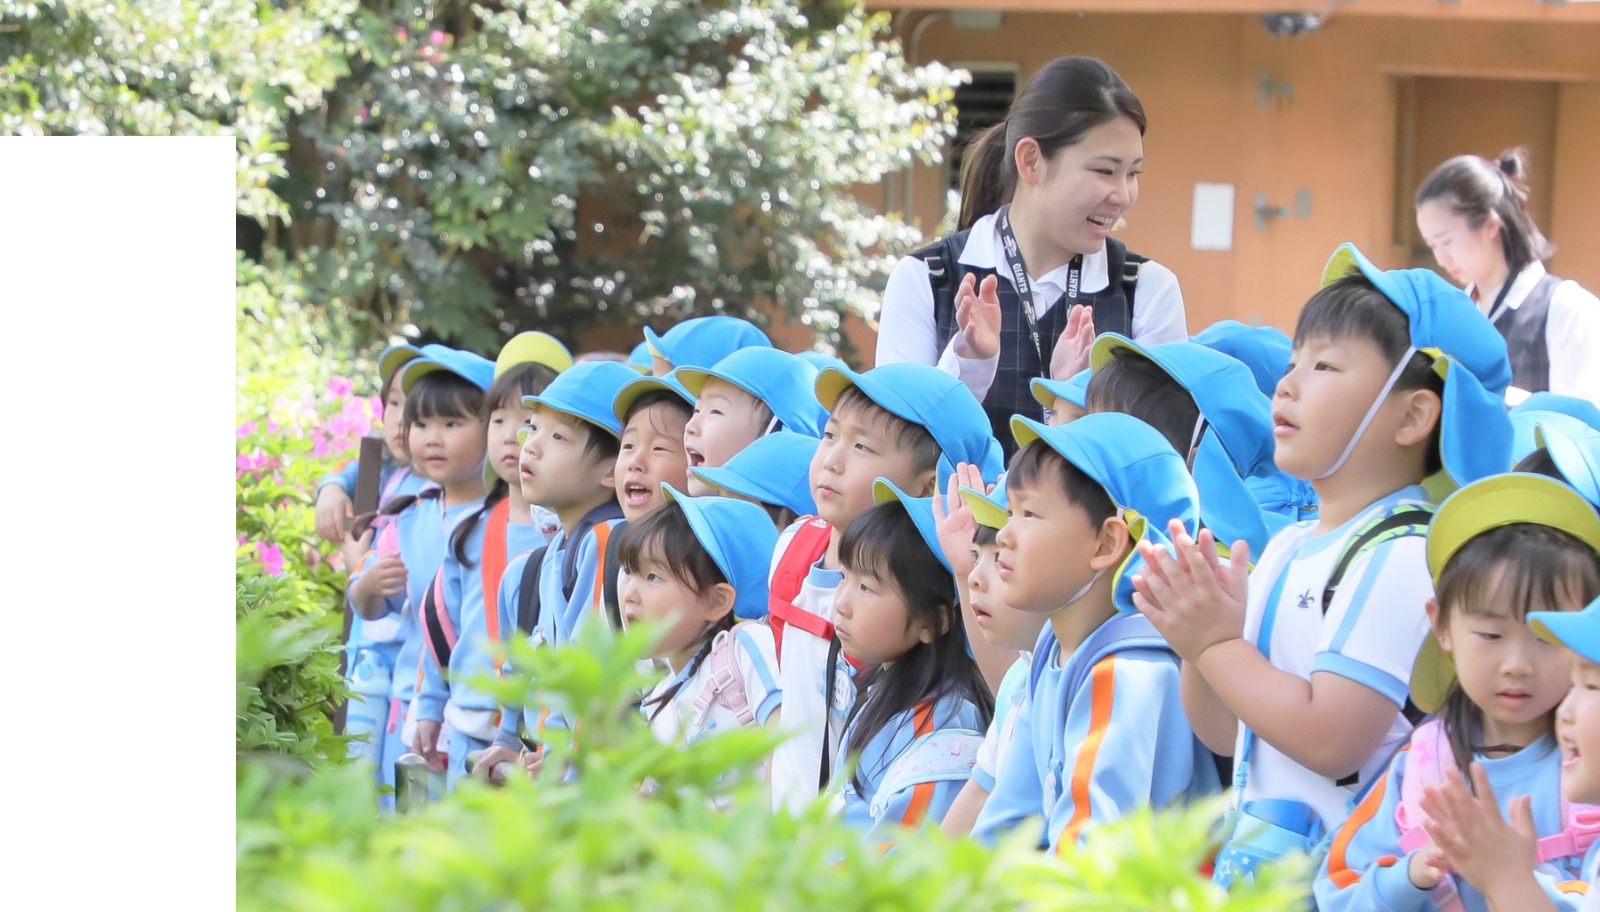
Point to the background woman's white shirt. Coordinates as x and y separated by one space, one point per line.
1571 334
907 330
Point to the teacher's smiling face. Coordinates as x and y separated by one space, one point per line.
1080 195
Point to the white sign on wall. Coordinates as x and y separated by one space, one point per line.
1212 224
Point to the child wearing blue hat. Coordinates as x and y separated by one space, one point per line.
395 479
748 394
1549 412
1207 406
698 566
1102 729
1503 550
921 705
653 412
1263 349
701 342
459 614
446 438
909 423
568 466
1394 397
774 473
1002 627
1064 401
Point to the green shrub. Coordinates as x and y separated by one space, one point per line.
595 841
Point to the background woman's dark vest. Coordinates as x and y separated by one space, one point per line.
1524 330
1019 363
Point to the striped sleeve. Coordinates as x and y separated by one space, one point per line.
1127 744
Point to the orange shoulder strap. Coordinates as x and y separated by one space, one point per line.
602 538
492 564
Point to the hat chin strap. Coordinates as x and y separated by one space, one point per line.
1086 587
1372 412
773 425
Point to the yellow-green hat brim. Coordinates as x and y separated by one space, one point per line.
533 347
985 512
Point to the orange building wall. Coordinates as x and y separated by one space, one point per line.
1197 77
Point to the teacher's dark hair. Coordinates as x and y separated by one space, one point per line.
1062 102
1476 188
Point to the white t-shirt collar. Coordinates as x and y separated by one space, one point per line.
1521 284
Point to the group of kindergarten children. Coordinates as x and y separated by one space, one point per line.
1336 577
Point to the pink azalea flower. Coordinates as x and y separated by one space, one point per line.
246 429
270 556
436 38
401 34
339 387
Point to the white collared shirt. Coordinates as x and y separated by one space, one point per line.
907 330
1571 334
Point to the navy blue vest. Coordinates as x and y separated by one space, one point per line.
1019 363
1524 331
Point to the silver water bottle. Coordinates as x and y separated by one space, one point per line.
410 783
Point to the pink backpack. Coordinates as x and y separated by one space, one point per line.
725 684
1428 756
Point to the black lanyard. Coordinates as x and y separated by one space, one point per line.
1500 298
1019 278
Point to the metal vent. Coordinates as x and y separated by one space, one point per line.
979 104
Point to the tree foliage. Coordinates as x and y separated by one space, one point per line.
475 169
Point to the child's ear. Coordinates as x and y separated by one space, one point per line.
1112 544
926 484
930 630
719 601
1441 632
1421 417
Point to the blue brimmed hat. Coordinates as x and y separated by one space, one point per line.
991 509
784 382
1468 352
924 395
638 387
587 392
1579 631
1263 349
475 369
1143 475
740 540
640 358
396 356
1577 458
1074 389
1236 441
1549 412
775 469
819 360
703 341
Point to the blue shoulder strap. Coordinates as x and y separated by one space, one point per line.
1124 632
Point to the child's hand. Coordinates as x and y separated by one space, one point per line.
352 550
1071 355
492 757
978 315
333 510
953 519
1427 867
1496 857
1193 600
386 576
427 744
533 763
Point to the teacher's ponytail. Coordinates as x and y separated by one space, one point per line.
1061 103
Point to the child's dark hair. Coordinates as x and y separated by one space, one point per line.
1353 307
782 517
664 536
1539 463
442 394
1526 566
906 435
984 536
1134 385
659 397
1476 187
1036 462
601 445
884 543
507 390
1063 101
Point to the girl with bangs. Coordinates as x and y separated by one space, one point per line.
921 705
697 566
1473 801
460 616
446 439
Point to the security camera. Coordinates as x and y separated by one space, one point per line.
1290 24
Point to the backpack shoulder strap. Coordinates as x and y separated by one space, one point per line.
809 542
1399 523
435 618
492 564
725 683
943 258
1128 631
602 544
528 592
1424 766
610 566
1131 264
